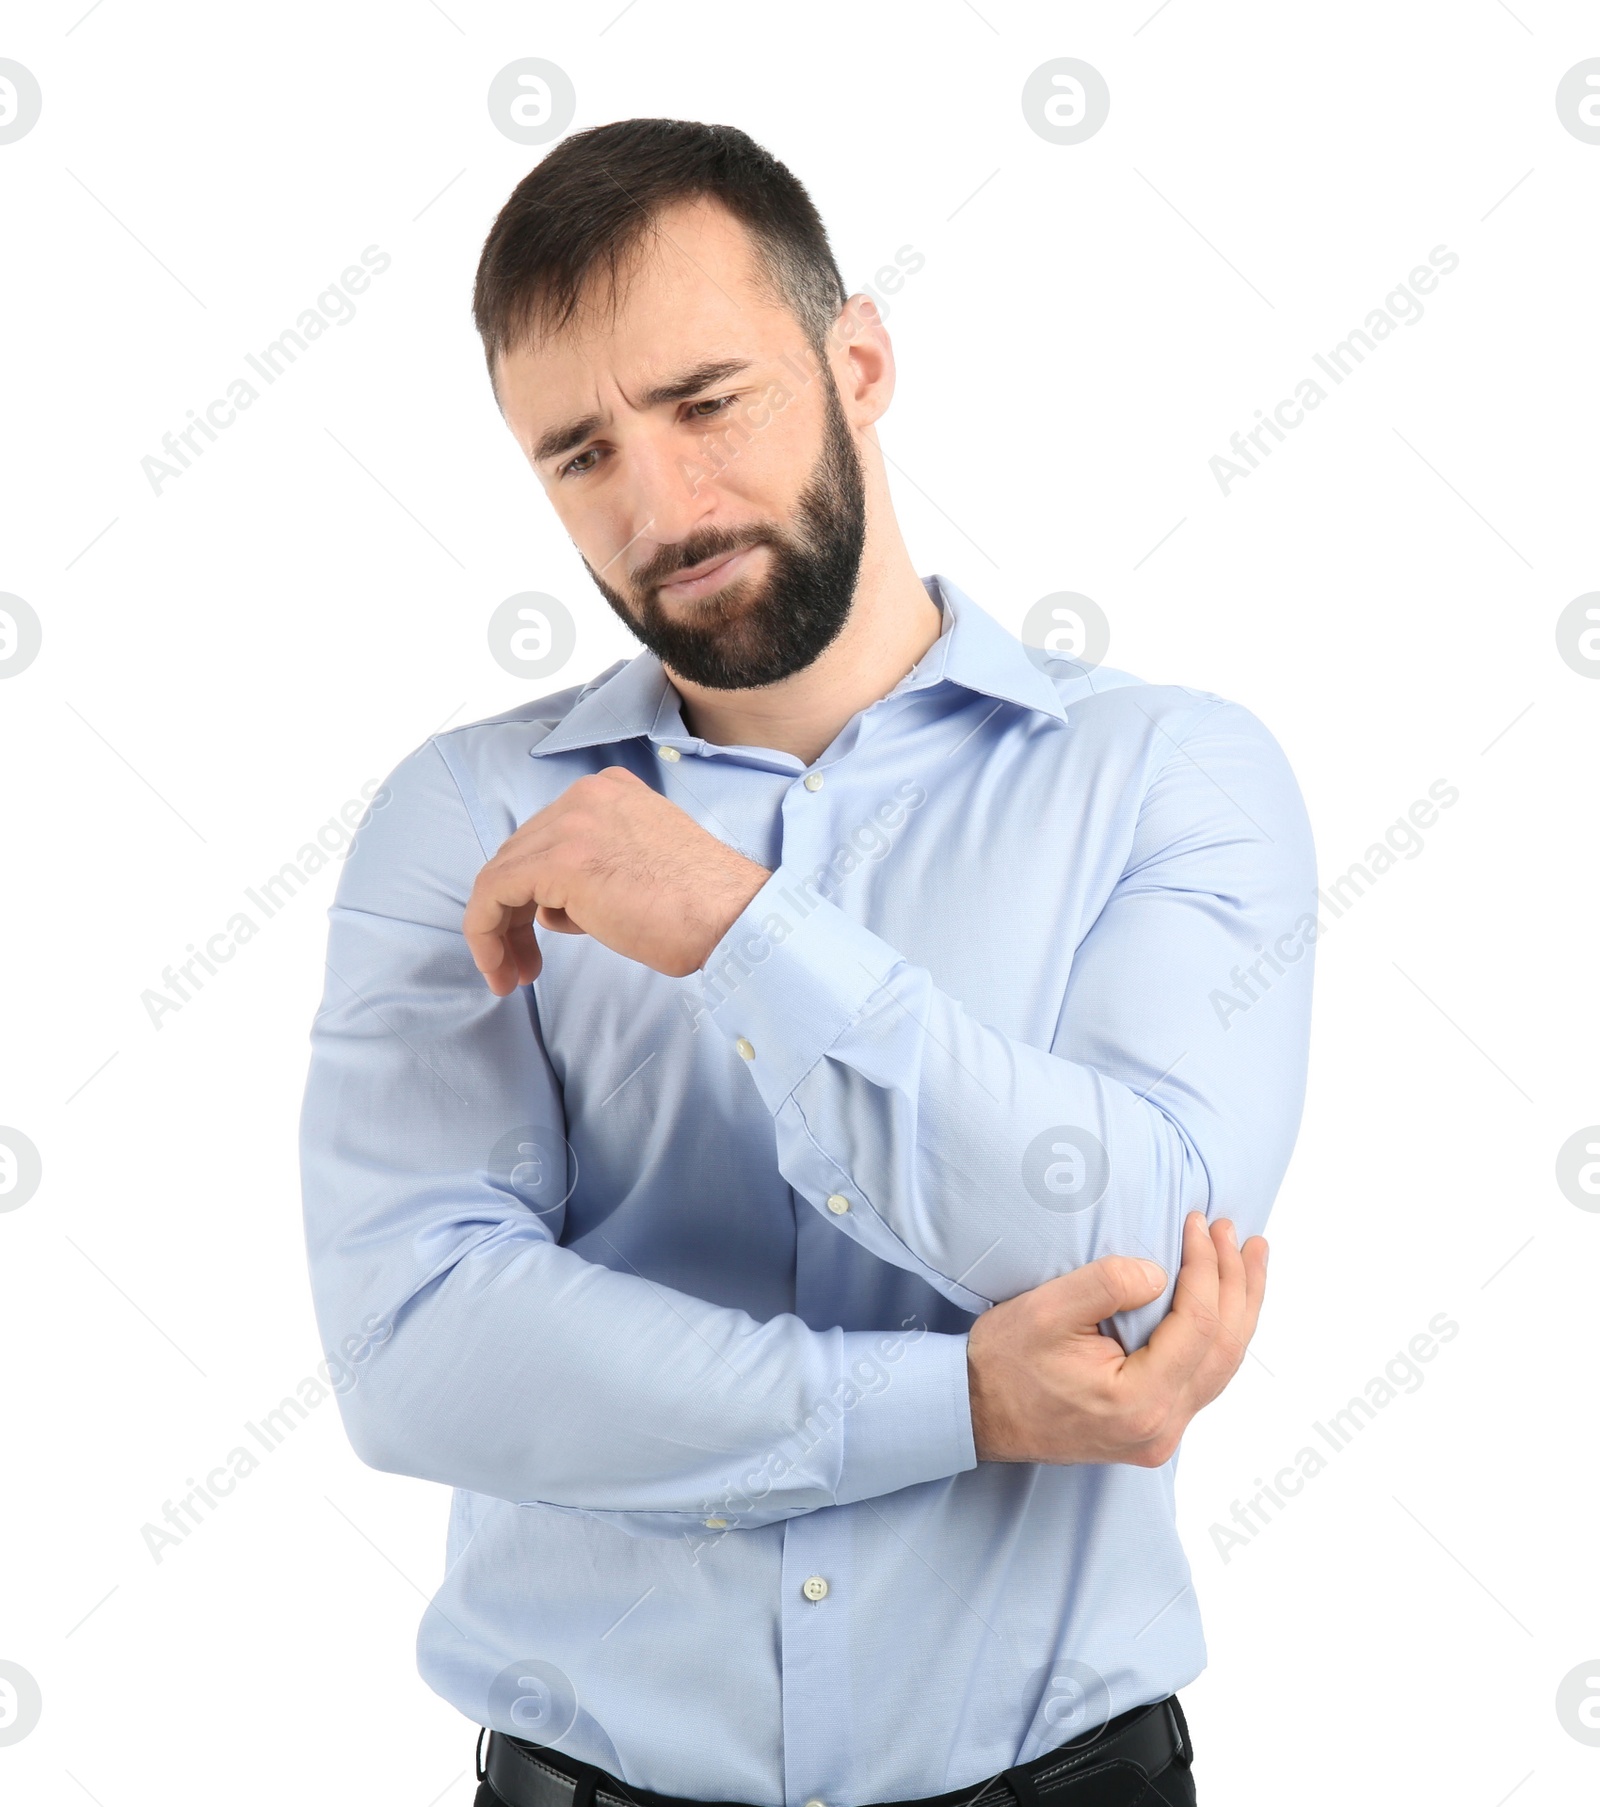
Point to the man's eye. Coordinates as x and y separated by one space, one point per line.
717 404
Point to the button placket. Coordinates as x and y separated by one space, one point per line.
818 1632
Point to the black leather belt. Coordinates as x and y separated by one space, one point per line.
1111 1767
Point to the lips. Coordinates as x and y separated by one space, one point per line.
710 574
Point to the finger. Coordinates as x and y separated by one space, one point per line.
504 898
1254 1257
547 829
1099 1289
1228 1351
520 962
524 949
1228 1345
503 978
1184 1337
506 960
1199 1276
502 943
1230 1276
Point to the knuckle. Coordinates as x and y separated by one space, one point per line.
1148 1421
1112 1276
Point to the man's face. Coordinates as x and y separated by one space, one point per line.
700 459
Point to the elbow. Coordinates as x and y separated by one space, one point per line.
402 1424
385 1422
370 1427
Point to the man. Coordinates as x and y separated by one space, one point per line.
748 1084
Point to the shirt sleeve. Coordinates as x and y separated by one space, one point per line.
473 1348
1174 1079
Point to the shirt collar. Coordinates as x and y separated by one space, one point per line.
976 652
973 650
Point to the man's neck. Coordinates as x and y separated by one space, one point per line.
892 623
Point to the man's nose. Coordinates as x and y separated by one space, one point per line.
674 493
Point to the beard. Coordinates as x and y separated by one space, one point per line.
751 633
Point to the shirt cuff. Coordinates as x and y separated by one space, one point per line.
907 1411
788 978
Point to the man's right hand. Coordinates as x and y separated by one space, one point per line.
1046 1386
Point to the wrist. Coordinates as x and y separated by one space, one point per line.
743 879
989 1432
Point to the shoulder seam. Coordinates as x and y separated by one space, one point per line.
473 805
1208 707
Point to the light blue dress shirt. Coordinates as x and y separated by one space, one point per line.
669 1279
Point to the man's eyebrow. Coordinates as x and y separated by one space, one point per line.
557 440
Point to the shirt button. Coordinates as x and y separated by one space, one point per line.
716 1524
838 1204
670 754
814 1802
814 1587
746 1052
813 781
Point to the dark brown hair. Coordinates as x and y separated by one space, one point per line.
596 196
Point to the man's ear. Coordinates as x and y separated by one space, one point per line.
866 385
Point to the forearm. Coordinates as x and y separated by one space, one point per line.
1118 1097
512 1365
984 1164
530 1374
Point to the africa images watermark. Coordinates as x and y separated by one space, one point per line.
337 1372
756 413
1251 984
1402 306
1401 1374
868 842
334 307
866 1375
334 839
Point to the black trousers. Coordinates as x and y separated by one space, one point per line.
1174 1787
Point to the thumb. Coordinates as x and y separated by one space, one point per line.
1114 1283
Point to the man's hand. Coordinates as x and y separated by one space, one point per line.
1046 1386
613 859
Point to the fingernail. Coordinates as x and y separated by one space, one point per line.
1154 1272
1233 1234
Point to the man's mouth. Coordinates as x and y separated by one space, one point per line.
710 574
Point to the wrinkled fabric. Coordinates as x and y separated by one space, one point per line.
669 1279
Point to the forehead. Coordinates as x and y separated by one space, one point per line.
692 291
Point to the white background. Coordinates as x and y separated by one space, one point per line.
226 663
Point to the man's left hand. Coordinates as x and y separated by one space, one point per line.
613 859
